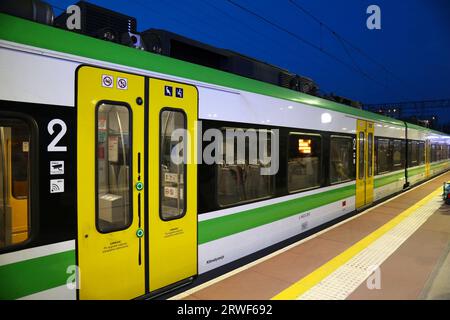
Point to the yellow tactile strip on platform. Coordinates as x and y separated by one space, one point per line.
343 274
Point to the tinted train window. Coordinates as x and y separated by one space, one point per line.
396 147
173 164
14 181
383 156
114 201
433 153
421 153
304 161
438 152
239 177
441 154
413 153
341 159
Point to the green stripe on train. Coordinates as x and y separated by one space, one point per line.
438 165
217 228
42 36
26 277
379 182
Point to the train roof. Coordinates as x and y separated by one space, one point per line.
47 37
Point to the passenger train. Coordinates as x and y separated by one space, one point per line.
91 206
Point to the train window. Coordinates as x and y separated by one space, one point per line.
396 147
239 178
441 152
413 153
114 201
421 156
304 161
341 159
383 156
361 172
173 144
14 181
370 154
433 153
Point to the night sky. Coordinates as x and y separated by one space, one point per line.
413 43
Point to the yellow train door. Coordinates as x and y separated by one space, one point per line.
364 163
172 187
110 169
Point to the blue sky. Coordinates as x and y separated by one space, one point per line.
413 43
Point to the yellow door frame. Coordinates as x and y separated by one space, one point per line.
364 165
370 161
172 243
111 265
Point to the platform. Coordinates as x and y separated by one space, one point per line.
398 249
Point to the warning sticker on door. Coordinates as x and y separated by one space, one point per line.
56 167
107 81
122 83
56 185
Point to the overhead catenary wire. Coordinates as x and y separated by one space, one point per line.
306 42
347 42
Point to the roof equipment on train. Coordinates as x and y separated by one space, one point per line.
112 26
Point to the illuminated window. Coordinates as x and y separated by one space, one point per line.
114 205
14 181
304 146
173 170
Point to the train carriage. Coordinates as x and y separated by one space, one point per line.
92 206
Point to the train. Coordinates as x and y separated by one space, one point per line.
92 205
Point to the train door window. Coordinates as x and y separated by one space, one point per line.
341 159
15 147
396 147
114 201
421 153
370 154
239 177
383 156
304 161
361 156
173 147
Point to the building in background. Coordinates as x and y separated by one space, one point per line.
432 114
